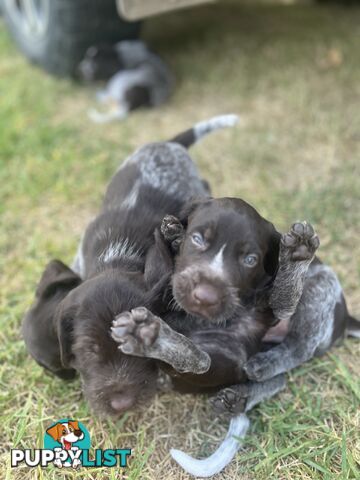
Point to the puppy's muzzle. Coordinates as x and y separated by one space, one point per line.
120 402
200 293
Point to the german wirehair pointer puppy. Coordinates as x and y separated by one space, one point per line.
120 265
234 269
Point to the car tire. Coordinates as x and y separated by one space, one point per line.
56 33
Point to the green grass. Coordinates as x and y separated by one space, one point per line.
293 74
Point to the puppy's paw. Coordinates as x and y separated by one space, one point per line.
256 368
172 230
301 242
231 400
135 331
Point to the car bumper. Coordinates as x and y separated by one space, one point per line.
138 9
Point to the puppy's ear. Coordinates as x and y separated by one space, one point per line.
59 280
56 283
190 208
39 324
271 259
65 330
56 277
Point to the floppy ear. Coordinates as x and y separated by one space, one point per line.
56 277
54 431
39 325
65 327
271 259
56 283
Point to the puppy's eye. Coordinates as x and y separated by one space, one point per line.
197 239
251 260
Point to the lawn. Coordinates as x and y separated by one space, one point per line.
293 73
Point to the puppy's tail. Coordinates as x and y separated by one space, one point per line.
352 327
221 457
191 136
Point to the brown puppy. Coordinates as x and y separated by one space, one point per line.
228 255
226 261
120 265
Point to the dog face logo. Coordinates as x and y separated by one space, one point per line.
67 438
66 433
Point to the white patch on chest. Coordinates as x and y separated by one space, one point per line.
217 263
120 249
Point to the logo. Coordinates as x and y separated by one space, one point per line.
67 445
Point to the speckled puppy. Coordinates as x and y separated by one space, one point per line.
120 265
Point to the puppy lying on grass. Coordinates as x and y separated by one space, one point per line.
119 266
235 276
139 78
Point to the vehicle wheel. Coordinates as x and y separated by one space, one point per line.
56 33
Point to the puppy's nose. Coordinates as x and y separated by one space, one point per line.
120 402
206 294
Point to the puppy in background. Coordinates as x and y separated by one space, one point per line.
137 78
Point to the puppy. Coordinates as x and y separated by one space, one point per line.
102 61
139 78
224 269
308 304
226 261
119 266
233 268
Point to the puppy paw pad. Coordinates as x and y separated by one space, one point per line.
301 241
135 330
171 228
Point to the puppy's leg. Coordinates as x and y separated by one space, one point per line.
228 353
297 250
311 327
143 334
243 397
